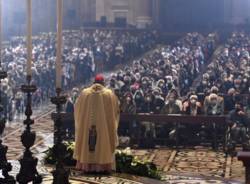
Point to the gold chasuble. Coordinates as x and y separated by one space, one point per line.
96 122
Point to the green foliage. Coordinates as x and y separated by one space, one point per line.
125 162
130 164
68 160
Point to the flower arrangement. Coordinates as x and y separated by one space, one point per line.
125 162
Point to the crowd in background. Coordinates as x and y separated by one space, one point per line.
85 52
164 75
230 71
163 81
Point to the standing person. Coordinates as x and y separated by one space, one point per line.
96 122
127 106
171 107
239 124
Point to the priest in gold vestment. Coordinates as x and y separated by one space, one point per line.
96 121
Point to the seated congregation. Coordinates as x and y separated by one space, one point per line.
162 86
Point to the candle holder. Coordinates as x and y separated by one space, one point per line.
60 174
28 171
5 166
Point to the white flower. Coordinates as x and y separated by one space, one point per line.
127 151
118 151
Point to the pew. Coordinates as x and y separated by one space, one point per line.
178 120
245 158
157 118
161 119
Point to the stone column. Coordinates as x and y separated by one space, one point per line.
156 12
143 9
92 10
100 9
239 11
248 13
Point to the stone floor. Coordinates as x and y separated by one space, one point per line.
168 178
196 165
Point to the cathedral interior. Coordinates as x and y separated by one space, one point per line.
178 69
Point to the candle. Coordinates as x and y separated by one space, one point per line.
59 44
29 37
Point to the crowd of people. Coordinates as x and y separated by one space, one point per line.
161 82
85 52
229 74
230 71
163 76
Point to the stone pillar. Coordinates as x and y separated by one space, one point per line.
92 10
51 23
143 9
239 11
86 11
156 12
248 13
100 9
226 11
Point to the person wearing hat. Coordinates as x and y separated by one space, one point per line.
96 123
192 106
213 105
